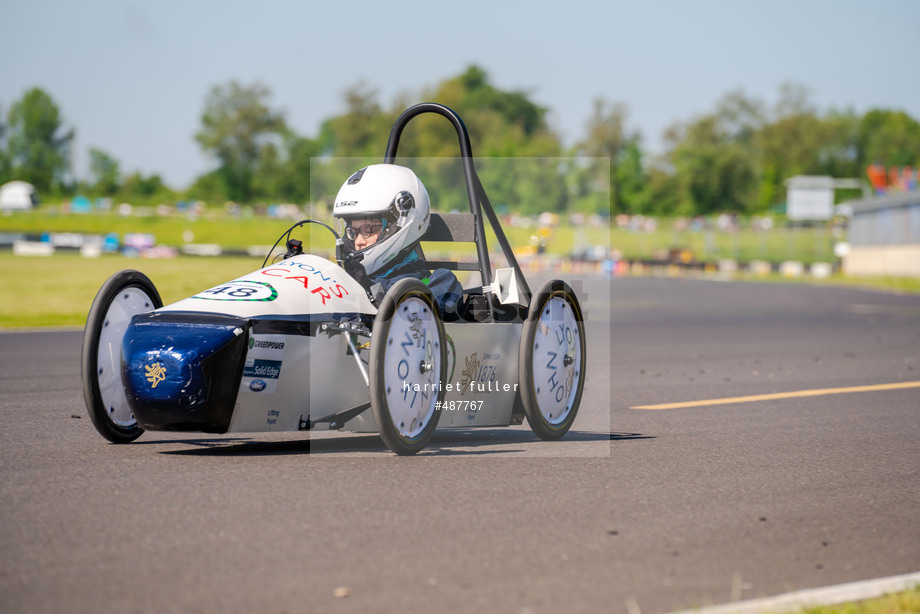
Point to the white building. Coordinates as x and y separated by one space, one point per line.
885 236
17 196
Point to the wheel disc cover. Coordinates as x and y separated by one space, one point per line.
557 360
412 366
128 303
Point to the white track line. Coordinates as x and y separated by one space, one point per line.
828 595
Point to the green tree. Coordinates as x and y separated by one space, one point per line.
136 185
891 138
514 107
838 154
349 141
517 151
715 170
208 187
607 136
237 124
630 179
740 156
789 144
362 130
794 99
502 124
106 175
5 169
38 146
294 183
800 141
663 196
284 169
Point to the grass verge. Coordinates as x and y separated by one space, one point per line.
58 291
905 602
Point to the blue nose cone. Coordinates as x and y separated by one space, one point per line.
182 373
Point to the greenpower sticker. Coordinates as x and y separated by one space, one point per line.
241 290
262 367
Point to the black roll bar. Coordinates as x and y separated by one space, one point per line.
479 201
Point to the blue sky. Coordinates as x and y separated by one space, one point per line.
131 77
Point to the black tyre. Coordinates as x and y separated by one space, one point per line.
124 295
552 360
408 363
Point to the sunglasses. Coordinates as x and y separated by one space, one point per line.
365 231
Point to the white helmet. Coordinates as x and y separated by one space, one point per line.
392 193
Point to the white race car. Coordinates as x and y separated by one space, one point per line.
299 345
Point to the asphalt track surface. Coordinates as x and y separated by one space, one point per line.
635 510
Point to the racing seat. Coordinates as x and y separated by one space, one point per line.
473 307
451 228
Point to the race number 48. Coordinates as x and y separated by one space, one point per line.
239 291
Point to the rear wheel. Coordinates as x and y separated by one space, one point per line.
123 296
408 362
552 360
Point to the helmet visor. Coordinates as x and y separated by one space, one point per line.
380 226
366 231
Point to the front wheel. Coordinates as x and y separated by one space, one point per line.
123 296
552 360
408 363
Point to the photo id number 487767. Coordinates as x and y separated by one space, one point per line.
460 405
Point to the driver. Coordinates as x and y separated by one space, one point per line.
383 211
